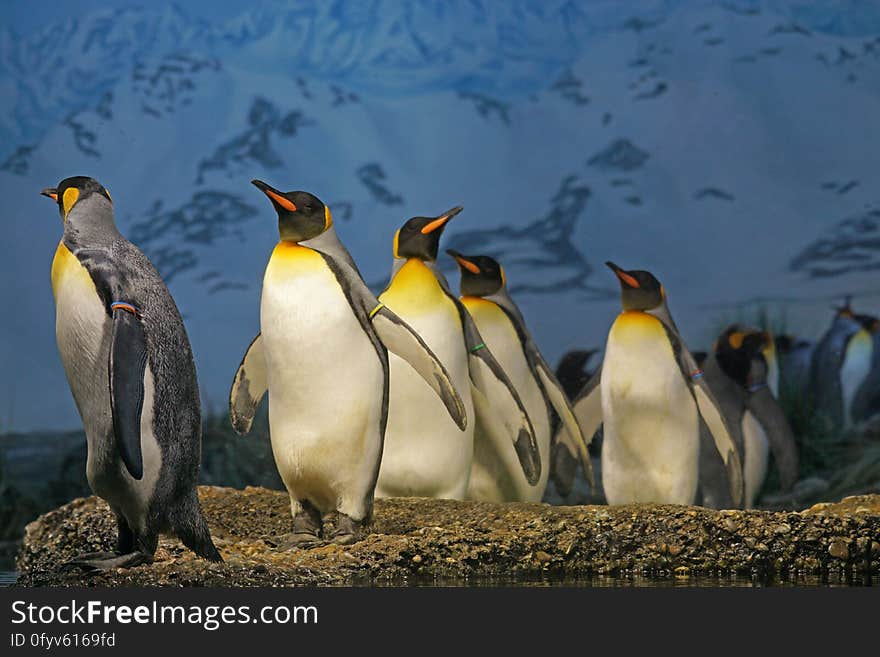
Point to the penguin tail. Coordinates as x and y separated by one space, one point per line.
190 525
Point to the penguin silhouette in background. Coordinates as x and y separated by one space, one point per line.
840 363
794 355
650 395
866 402
425 455
572 372
738 375
495 474
130 368
322 354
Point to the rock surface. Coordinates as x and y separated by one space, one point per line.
442 541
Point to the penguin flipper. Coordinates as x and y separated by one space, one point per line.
770 415
710 412
399 338
128 363
503 402
248 387
572 437
587 410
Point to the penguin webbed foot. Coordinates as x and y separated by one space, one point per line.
95 562
347 530
307 528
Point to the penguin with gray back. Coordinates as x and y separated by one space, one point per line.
839 365
737 372
130 368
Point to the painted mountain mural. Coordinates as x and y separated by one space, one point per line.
731 148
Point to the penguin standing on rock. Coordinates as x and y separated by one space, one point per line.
738 374
322 354
130 368
651 395
425 454
495 475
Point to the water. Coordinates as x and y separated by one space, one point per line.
8 577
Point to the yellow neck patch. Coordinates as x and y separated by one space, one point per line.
71 196
66 266
415 289
290 259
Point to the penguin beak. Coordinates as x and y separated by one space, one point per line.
51 192
463 262
277 198
440 221
625 278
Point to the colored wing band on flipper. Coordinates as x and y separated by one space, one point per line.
502 401
127 366
248 387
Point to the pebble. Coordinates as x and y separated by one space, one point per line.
417 558
838 549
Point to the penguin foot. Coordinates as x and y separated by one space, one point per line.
297 540
107 561
346 531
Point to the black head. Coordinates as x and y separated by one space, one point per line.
420 236
481 276
868 322
72 190
301 216
737 348
639 290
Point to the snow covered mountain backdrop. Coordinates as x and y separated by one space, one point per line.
731 148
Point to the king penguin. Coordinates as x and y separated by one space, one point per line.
130 368
496 475
322 354
739 376
424 453
650 394
840 363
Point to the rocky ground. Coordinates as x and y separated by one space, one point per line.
416 540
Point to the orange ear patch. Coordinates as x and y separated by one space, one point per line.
328 218
285 203
735 340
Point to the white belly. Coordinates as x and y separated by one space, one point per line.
325 383
84 332
426 454
756 449
496 474
651 440
856 366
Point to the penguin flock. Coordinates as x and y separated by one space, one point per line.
416 392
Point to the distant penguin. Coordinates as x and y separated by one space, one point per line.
650 394
794 356
866 402
737 373
840 363
425 455
130 368
322 354
496 475
572 372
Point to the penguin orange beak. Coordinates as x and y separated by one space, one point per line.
463 262
51 192
626 279
274 195
440 221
